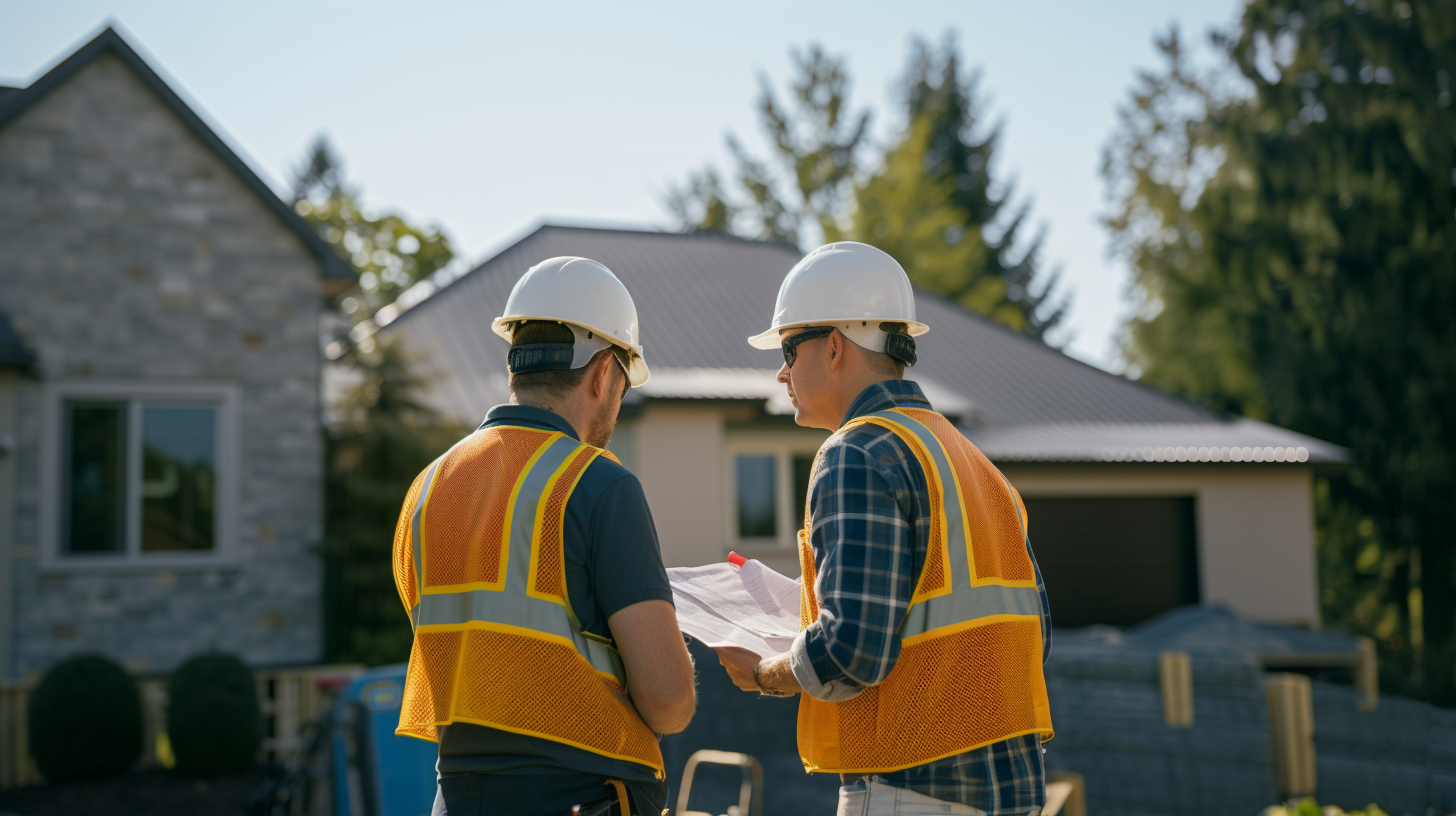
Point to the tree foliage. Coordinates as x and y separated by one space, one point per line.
389 253
381 435
1291 224
928 199
934 205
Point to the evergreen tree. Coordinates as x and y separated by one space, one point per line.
931 203
805 183
389 253
381 436
941 164
1292 235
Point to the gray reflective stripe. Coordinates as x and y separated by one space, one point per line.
970 603
415 515
964 602
956 538
512 605
491 606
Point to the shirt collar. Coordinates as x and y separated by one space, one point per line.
529 415
882 396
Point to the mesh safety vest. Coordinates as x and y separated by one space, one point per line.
970 666
479 563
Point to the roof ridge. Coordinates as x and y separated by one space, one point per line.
110 40
543 225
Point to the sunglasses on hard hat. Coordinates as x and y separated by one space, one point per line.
791 344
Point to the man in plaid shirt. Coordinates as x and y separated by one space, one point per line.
871 512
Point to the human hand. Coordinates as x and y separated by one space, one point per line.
739 663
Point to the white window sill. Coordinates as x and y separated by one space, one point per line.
200 562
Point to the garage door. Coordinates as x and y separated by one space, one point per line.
1116 561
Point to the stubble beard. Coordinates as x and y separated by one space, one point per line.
599 432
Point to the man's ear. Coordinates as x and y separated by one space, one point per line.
837 349
601 375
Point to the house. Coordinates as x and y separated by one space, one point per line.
1139 502
161 461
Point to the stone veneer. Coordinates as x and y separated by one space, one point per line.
132 252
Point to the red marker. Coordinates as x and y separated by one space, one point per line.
736 560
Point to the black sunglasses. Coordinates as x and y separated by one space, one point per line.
791 344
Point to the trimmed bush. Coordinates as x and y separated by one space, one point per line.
85 719
212 716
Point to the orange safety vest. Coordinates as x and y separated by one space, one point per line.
969 672
479 563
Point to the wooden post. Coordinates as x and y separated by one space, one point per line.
1367 674
1291 732
1175 676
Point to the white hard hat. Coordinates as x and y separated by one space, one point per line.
851 286
585 296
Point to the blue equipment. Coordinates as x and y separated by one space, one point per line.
377 773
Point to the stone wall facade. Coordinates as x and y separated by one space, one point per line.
132 253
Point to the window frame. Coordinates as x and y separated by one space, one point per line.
224 396
783 448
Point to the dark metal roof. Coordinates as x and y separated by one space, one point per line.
14 353
17 101
700 296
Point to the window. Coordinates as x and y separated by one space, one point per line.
139 476
769 481
757 497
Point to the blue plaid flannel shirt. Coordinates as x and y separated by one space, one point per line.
871 527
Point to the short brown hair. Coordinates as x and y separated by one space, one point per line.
550 386
882 363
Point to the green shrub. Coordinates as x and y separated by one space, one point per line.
85 719
213 721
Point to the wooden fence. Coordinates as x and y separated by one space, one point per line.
289 699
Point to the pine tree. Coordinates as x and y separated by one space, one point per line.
978 259
381 435
931 203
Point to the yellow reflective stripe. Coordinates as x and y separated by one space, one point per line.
539 524
967 606
505 552
416 514
484 611
945 631
949 535
943 461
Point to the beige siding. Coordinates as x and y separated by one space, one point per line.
678 451
1255 528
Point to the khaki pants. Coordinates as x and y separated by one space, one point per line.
865 797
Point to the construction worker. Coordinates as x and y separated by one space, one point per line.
547 656
924 620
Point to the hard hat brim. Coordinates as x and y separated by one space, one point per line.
637 373
770 339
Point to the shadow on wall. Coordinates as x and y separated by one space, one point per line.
764 727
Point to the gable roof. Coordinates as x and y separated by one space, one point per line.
15 101
700 295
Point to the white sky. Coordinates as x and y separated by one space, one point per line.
489 118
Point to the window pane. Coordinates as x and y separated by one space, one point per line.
803 464
756 497
94 483
179 460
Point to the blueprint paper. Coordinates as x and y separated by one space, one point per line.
751 606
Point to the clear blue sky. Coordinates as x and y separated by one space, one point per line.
488 118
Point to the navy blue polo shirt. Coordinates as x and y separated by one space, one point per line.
612 561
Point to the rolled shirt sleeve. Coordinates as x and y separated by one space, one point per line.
863 536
